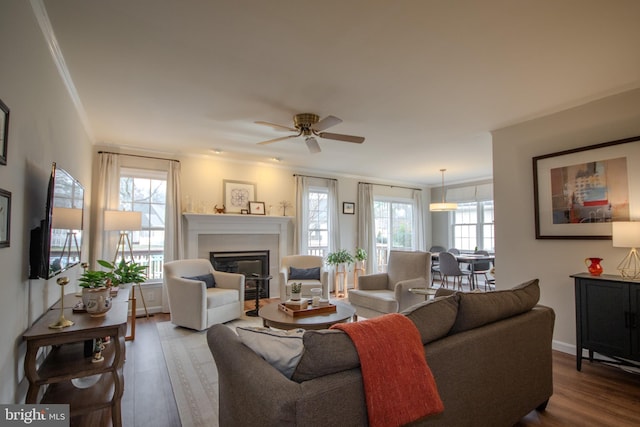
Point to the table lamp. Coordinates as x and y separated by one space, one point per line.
626 234
122 221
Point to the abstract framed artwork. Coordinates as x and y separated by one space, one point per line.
579 192
5 218
348 208
4 132
237 195
256 208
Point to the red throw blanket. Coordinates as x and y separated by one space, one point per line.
398 385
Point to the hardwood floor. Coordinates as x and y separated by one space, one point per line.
599 395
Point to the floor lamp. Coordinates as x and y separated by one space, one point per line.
125 221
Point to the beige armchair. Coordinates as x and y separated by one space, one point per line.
195 306
303 262
383 293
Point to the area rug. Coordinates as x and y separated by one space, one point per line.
193 373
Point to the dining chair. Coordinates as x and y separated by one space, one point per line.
449 267
481 268
435 264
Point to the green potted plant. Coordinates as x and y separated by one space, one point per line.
125 272
339 257
360 255
296 291
96 295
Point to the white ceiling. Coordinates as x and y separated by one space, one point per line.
424 81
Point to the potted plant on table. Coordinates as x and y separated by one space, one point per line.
296 291
340 259
96 293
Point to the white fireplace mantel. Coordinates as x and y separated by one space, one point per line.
199 224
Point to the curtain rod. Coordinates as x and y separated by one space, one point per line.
138 155
391 186
311 176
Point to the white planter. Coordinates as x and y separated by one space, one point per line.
97 301
296 296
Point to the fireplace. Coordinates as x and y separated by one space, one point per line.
249 263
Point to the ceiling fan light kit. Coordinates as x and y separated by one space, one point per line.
309 125
442 206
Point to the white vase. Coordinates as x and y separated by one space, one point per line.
97 301
295 296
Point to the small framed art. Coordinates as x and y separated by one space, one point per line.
237 195
5 218
4 132
256 208
348 208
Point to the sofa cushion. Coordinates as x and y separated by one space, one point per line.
325 352
380 300
434 318
304 273
208 279
282 349
478 309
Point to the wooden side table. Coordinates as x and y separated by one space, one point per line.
340 277
67 361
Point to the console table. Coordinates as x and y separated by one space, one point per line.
607 311
67 361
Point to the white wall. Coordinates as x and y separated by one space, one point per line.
520 256
43 128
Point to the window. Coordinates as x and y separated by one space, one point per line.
394 228
145 191
318 223
473 226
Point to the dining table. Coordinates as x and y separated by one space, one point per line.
471 259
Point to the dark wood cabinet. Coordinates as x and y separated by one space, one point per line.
607 317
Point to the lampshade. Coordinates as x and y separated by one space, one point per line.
66 218
442 206
626 234
122 220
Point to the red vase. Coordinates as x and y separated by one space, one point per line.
593 265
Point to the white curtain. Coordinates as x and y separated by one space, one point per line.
107 190
366 225
334 212
418 220
173 242
302 215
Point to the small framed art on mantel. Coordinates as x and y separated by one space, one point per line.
237 195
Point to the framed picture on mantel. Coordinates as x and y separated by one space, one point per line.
578 193
237 195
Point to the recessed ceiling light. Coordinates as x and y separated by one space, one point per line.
216 151
276 159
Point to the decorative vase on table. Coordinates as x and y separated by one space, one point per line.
593 266
97 301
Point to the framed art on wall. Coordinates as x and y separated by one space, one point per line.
348 208
237 195
4 132
5 218
256 208
579 192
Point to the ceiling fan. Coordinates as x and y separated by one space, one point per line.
309 125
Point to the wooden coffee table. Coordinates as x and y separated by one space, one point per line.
273 317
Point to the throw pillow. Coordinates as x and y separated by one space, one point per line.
435 318
326 352
478 309
304 273
208 279
282 349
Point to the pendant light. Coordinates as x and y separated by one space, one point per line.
442 206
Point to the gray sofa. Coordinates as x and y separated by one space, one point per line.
490 354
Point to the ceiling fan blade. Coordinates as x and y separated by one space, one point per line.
341 137
282 138
312 145
276 126
326 123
